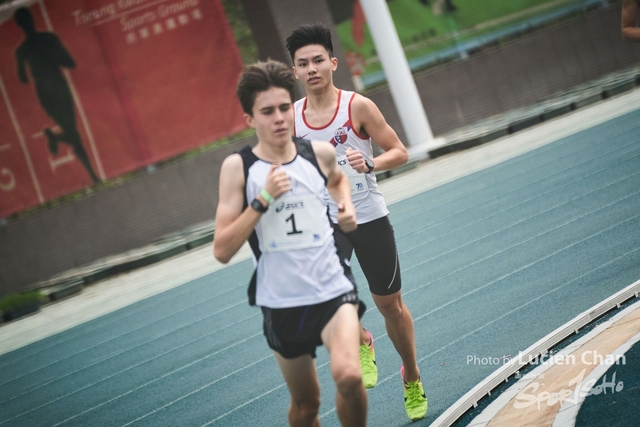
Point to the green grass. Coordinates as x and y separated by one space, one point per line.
422 32
241 31
11 302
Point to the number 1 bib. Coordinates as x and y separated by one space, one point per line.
294 222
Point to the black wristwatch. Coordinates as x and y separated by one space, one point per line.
258 206
370 165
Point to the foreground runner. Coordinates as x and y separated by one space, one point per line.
273 196
349 121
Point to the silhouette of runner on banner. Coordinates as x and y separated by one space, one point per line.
45 54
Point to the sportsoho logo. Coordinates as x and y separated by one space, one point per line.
576 387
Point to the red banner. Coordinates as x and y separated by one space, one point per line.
92 89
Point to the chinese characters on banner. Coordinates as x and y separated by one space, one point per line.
92 89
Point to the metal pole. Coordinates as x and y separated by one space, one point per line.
403 88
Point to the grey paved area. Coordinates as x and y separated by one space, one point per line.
499 245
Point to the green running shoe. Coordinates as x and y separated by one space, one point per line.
368 363
415 401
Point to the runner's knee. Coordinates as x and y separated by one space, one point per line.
348 379
307 408
390 306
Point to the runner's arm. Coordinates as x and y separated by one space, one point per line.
337 185
233 225
369 121
630 30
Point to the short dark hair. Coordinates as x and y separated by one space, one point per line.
308 34
260 77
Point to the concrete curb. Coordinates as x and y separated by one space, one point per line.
72 281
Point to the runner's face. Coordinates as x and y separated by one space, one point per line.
313 66
272 116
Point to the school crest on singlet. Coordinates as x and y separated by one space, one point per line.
340 136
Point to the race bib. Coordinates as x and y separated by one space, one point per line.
293 223
357 181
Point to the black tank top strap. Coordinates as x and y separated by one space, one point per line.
248 159
305 150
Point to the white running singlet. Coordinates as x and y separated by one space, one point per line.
367 199
293 247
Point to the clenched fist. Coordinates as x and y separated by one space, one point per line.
346 217
356 160
278 181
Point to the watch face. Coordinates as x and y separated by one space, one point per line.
255 204
369 164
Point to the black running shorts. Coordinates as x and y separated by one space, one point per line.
375 246
296 331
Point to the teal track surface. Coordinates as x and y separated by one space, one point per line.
491 263
616 401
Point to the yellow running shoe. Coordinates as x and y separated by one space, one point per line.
368 363
415 401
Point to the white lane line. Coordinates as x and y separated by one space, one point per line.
527 219
254 399
518 244
443 170
504 196
202 388
444 347
161 300
132 390
113 294
243 405
144 325
443 200
34 387
23 144
504 276
507 208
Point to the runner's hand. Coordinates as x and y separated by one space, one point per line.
346 217
356 160
278 181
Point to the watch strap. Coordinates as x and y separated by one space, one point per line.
258 206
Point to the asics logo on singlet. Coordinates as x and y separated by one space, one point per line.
299 204
342 162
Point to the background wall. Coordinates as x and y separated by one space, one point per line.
139 212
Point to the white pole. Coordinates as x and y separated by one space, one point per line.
403 87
